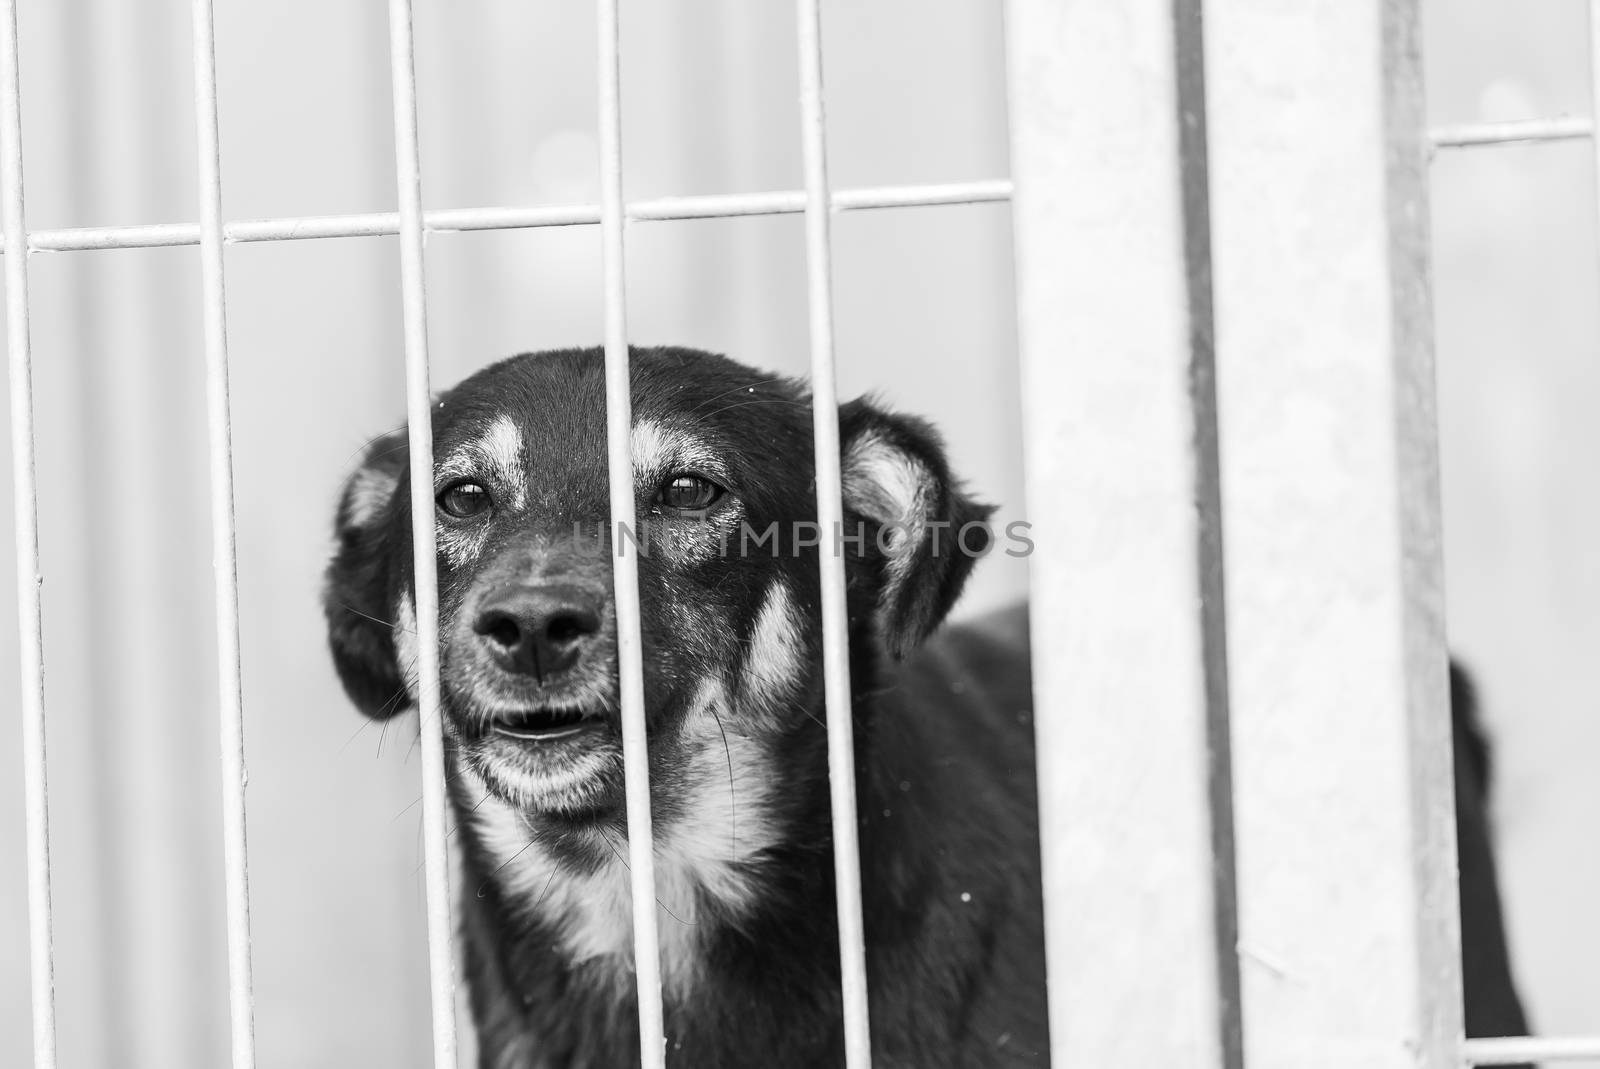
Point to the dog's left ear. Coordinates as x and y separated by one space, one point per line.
921 523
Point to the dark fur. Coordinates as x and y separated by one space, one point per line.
1493 1008
943 733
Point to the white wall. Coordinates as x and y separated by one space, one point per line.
924 318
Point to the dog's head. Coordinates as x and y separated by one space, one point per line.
727 551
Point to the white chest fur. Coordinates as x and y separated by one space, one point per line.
707 865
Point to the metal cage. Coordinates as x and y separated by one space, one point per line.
1221 226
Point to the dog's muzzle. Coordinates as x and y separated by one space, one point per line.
539 631
545 660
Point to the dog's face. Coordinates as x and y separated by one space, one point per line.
727 552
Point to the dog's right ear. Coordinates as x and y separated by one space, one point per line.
358 597
896 477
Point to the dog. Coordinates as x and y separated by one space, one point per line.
728 551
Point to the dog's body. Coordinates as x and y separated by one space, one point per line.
954 957
732 664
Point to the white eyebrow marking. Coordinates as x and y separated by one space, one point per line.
658 450
495 455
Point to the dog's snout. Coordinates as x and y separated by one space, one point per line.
538 631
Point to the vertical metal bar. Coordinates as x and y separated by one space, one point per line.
419 421
30 628
1342 763
1594 97
630 666
1112 236
225 560
830 516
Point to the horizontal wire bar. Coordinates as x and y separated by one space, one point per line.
446 220
1520 131
709 206
1514 1050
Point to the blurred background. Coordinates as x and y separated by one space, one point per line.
925 318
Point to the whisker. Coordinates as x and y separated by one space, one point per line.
406 682
733 797
546 890
757 401
368 444
789 704
687 924
490 878
375 619
449 776
391 705
697 409
366 722
407 809
403 447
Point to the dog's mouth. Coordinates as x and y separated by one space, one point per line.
555 760
544 725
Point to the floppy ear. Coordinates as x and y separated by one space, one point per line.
922 526
358 596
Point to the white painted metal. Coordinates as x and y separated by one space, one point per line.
1349 921
1521 131
844 200
625 561
419 421
1520 1049
1594 89
224 555
830 516
447 220
29 580
1128 676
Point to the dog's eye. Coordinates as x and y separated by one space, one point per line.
688 493
463 500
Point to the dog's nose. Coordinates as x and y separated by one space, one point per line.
538 631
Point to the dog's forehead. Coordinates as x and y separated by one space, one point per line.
543 417
520 409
